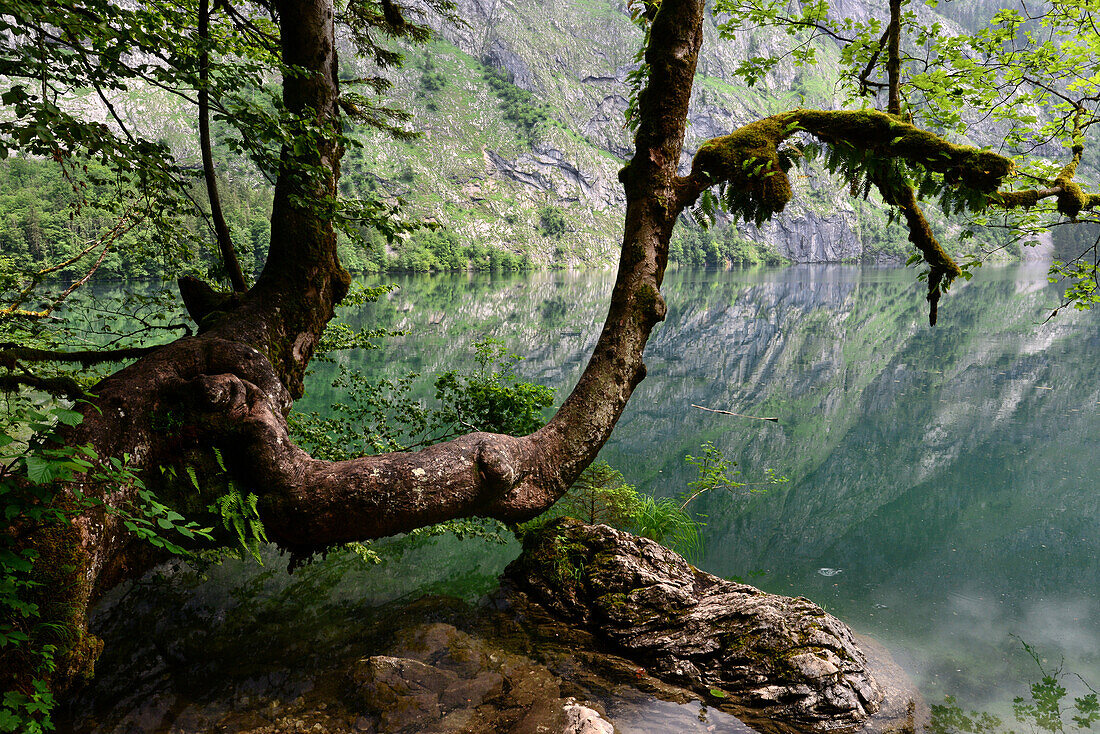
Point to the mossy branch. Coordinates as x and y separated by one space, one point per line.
11 354
942 268
60 385
1071 197
752 167
878 134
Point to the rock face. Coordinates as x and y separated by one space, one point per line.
778 659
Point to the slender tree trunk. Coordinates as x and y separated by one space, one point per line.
221 229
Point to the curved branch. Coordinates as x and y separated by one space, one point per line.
238 374
749 159
1071 197
942 268
60 385
864 76
511 479
727 159
12 353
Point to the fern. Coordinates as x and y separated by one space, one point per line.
705 210
239 516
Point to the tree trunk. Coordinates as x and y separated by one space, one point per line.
231 386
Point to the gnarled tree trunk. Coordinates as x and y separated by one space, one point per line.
231 386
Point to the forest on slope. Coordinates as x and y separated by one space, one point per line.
520 115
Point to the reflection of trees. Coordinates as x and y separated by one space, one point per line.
1047 708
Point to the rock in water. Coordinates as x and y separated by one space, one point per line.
781 660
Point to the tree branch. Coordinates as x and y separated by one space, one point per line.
12 353
733 158
1071 197
221 229
749 160
893 59
124 225
60 385
239 395
864 82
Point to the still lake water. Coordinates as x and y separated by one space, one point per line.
942 492
943 486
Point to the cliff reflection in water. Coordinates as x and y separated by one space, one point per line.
942 487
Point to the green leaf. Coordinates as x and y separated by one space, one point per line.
39 470
68 417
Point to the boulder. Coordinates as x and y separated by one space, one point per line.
778 661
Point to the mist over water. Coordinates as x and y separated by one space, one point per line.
942 488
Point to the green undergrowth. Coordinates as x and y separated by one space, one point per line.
44 485
603 496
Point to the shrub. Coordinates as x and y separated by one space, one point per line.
552 221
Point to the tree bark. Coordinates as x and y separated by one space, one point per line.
230 386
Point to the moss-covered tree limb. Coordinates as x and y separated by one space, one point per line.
10 354
751 160
61 385
1071 197
732 158
942 268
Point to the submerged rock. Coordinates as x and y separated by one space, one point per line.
440 679
783 662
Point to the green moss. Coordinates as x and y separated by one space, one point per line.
886 136
552 556
1072 199
1013 199
750 164
651 306
748 160
61 592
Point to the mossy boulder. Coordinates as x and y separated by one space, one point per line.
765 657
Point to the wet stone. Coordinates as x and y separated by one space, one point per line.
775 660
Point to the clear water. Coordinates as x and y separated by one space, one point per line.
942 492
941 498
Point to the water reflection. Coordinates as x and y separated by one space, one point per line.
942 492
947 473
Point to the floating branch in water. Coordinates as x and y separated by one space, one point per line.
739 415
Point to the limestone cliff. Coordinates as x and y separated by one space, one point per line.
489 179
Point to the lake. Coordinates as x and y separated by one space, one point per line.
941 492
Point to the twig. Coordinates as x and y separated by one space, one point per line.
739 415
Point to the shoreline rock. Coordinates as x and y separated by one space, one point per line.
513 662
779 663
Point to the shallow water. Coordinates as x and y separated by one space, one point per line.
941 494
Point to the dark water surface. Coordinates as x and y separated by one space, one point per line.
942 492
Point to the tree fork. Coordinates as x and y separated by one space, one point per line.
233 383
